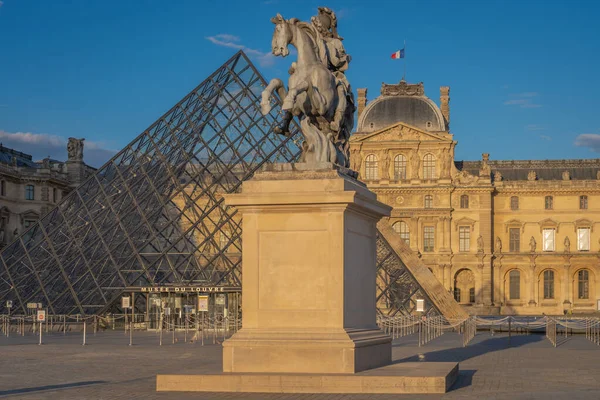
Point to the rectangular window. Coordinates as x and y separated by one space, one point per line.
548 240
514 203
515 240
428 238
583 202
464 238
515 285
583 239
548 284
472 295
2 188
29 192
54 195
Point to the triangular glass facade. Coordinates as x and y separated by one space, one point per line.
154 214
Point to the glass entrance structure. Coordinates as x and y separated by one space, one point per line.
154 216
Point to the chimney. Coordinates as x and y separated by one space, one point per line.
445 104
362 100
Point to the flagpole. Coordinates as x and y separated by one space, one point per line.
404 75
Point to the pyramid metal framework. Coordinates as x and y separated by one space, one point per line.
154 214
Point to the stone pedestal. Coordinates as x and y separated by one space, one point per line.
309 275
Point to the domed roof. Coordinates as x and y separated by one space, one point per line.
402 103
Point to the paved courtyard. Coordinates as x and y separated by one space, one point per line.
107 368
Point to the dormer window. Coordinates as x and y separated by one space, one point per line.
428 124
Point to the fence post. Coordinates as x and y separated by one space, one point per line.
131 333
84 331
40 332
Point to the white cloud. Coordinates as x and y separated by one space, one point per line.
42 145
1 3
535 127
523 100
589 140
232 41
545 137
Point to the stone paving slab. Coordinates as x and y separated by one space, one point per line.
107 368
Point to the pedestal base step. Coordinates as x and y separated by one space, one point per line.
420 377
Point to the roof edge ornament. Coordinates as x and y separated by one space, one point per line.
403 89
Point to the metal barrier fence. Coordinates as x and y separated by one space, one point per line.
429 328
198 328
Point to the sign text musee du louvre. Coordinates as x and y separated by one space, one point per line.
188 289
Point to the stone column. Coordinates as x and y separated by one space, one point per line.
565 287
309 275
479 297
533 281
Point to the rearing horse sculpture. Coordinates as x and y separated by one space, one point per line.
315 95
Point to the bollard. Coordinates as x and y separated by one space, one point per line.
84 332
160 329
131 333
509 331
64 325
40 333
202 328
95 324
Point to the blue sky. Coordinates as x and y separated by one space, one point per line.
523 74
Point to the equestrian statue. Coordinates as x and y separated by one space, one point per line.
318 91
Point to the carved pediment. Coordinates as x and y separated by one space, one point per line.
584 223
464 178
548 223
29 215
464 221
400 131
515 223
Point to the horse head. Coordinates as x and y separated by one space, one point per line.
282 36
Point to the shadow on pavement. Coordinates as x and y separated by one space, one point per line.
458 354
465 378
49 387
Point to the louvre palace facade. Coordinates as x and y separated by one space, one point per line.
503 236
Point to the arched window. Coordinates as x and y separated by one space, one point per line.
399 167
548 284
583 284
371 168
514 284
429 166
464 201
548 203
428 201
583 203
29 192
514 203
457 294
401 228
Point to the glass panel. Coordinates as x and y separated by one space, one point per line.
583 289
548 239
371 167
515 239
399 167
464 238
515 285
583 239
548 284
428 238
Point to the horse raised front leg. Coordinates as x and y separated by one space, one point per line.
265 104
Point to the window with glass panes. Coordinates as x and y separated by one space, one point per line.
514 203
464 201
464 238
514 239
371 168
514 284
429 166
583 202
548 203
401 228
29 192
428 238
583 239
548 240
457 294
548 284
472 295
399 167
583 284
428 201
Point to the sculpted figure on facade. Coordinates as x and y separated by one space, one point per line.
532 244
485 169
445 163
385 164
75 149
567 244
531 176
356 159
415 163
497 176
319 93
566 176
480 244
498 246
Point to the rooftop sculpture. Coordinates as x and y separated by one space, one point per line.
318 92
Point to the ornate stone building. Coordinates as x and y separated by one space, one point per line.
29 189
510 237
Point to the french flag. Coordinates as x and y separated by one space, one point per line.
398 54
